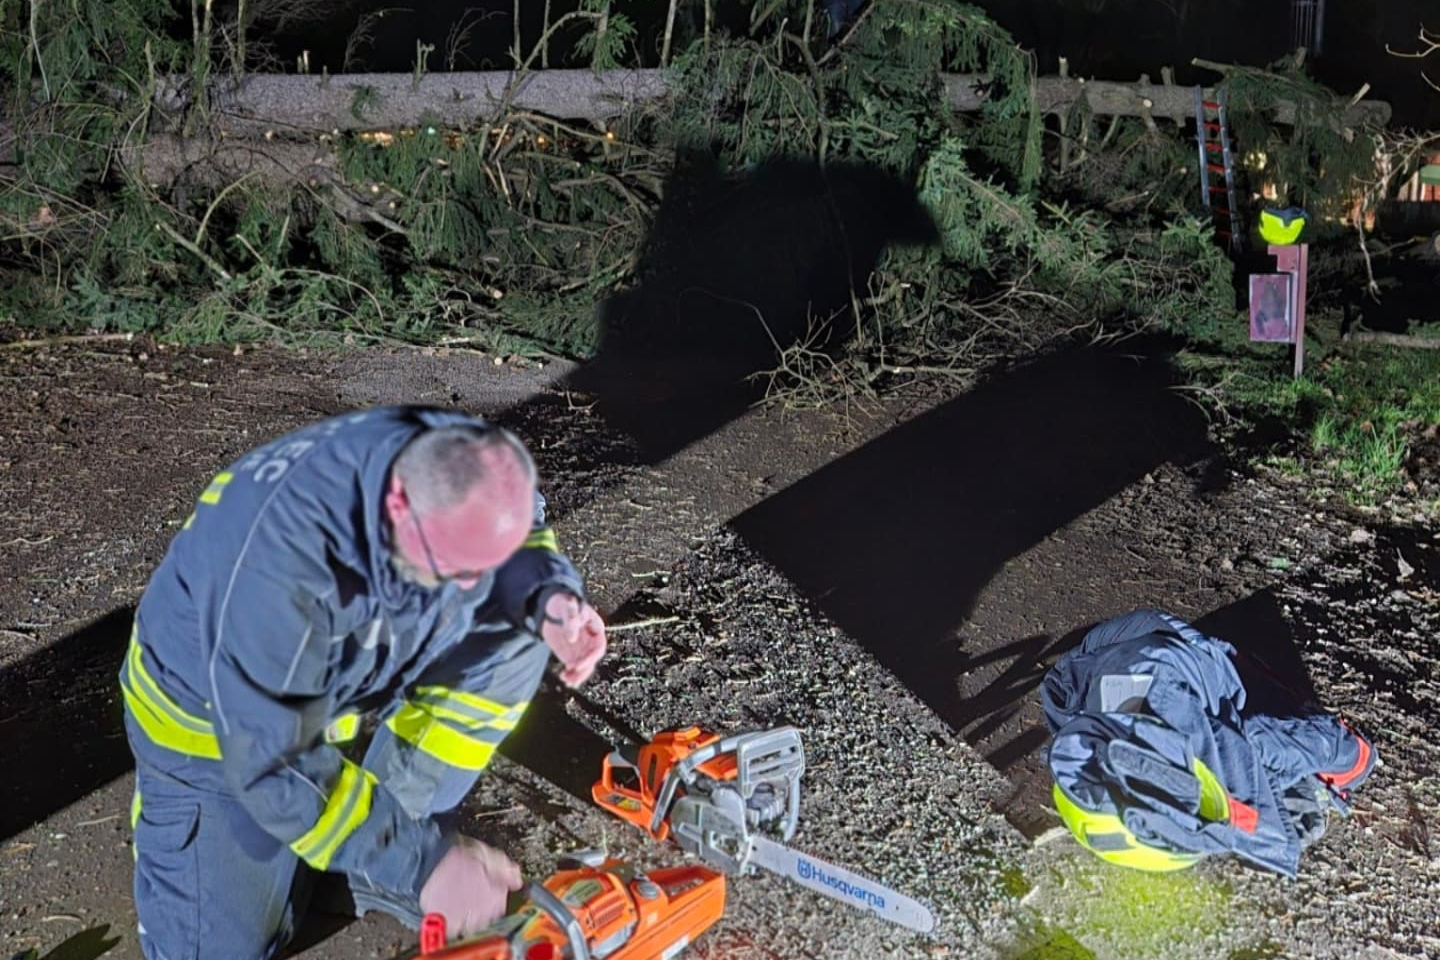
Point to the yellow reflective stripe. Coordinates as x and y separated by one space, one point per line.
347 808
134 820
159 730
1214 800
217 487
188 520
445 713
1087 823
343 728
468 709
459 699
543 539
422 730
150 690
160 717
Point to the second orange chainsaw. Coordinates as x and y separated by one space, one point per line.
734 802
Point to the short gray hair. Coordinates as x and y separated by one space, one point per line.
439 467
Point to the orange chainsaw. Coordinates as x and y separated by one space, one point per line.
594 907
726 800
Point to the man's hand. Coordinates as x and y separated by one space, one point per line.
469 886
575 633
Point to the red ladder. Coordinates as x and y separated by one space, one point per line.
1212 136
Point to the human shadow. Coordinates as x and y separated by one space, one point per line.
62 733
738 267
895 541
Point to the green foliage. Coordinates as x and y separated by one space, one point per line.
605 45
508 235
1356 411
1133 171
1316 163
365 97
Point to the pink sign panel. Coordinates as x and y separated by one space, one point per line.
1272 308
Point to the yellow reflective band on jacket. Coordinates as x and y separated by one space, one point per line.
347 808
343 728
457 728
217 486
1106 836
468 709
162 719
134 821
543 539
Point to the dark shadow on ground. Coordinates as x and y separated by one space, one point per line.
1267 657
739 266
895 541
62 734
547 723
88 944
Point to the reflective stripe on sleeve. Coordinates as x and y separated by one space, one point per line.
457 728
161 717
344 812
542 539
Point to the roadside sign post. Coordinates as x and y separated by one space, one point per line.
1277 300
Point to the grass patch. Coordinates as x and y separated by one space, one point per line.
1353 417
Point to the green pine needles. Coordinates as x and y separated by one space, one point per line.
511 235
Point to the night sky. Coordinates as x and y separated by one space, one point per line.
1107 39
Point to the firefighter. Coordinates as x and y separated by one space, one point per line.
391 564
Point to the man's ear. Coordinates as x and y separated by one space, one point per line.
397 503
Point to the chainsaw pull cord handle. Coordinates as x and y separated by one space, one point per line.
433 935
562 916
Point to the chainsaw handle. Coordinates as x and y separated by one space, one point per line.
635 806
562 916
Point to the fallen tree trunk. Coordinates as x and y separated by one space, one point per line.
367 101
269 127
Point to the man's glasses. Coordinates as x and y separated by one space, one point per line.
471 575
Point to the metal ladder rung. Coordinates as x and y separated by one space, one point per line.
1212 137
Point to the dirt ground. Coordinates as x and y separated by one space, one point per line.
894 582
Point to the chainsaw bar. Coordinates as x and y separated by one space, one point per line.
841 884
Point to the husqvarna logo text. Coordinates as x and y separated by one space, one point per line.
816 874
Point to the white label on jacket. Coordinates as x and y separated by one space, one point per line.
1124 693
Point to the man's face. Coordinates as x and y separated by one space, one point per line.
469 540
